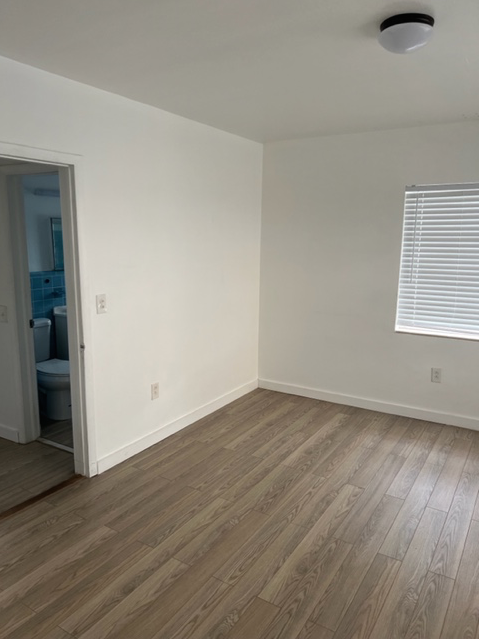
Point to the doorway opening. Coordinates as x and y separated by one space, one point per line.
44 235
44 414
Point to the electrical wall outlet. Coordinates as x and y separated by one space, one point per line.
3 314
101 303
436 375
155 390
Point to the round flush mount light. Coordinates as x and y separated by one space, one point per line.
405 32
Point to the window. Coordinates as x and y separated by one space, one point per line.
439 275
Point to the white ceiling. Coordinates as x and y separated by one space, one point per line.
264 69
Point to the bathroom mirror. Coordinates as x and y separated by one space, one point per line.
57 242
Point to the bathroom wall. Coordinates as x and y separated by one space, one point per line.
39 209
169 229
47 285
48 290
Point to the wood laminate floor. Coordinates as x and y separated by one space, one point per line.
275 517
58 432
27 470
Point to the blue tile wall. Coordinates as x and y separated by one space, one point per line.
48 290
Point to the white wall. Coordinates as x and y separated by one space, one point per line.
331 240
169 228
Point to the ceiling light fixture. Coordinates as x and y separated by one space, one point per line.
405 32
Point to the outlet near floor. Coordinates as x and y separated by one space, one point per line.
155 390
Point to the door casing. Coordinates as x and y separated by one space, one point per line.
69 169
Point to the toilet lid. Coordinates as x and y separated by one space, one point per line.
54 367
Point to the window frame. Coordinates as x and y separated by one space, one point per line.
414 329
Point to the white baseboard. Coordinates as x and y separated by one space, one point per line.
9 433
112 459
462 421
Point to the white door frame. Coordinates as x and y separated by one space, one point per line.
70 172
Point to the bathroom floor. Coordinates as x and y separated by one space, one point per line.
57 432
27 470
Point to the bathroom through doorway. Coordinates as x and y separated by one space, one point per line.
42 374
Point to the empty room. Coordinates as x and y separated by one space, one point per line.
239 320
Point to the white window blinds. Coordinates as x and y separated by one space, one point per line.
439 275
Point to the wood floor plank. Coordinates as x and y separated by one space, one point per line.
153 456
308 453
269 467
92 588
442 446
261 433
68 577
402 531
12 496
196 516
340 593
45 528
414 430
453 537
182 624
56 633
413 465
379 425
12 617
16 521
462 616
323 417
311 547
256 618
84 491
28 549
142 491
362 614
206 468
223 618
245 520
342 449
27 470
264 424
179 463
429 614
472 462
25 576
299 604
312 631
294 428
360 514
323 493
136 604
224 432
306 501
398 609
265 495
241 560
345 440
443 493
379 454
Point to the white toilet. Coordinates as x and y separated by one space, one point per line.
53 375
